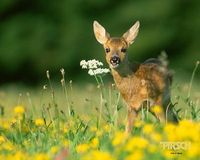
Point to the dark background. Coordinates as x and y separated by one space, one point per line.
36 35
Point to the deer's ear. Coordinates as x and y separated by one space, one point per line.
131 34
100 33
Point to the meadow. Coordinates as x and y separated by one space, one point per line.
72 121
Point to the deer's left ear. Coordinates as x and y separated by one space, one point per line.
131 34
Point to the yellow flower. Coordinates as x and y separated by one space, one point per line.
98 155
93 129
81 148
156 137
54 149
119 138
99 133
193 151
94 143
66 143
39 122
168 154
136 142
157 109
41 156
8 146
19 156
148 128
137 155
152 148
19 110
138 123
170 130
188 130
65 129
186 123
13 121
27 143
107 128
5 124
2 139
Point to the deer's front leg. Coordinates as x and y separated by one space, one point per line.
132 116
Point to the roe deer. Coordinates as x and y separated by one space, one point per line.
138 83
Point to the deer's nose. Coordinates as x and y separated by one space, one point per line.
115 60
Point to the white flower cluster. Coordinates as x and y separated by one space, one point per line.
98 71
92 66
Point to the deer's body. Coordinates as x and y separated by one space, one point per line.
145 82
138 83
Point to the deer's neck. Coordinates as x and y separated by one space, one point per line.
125 70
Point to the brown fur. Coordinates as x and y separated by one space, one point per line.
137 83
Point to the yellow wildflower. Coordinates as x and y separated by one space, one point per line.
152 148
39 122
138 123
137 155
187 130
8 146
156 109
170 130
81 148
13 121
94 143
66 143
19 109
2 139
193 151
98 155
41 156
156 137
19 156
119 138
186 123
148 128
93 129
99 133
136 142
107 128
168 154
54 149
5 124
65 129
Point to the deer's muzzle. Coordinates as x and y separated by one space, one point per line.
115 61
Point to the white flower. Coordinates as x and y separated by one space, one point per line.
93 67
83 64
97 71
91 72
62 71
90 64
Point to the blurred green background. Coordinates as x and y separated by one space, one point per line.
40 35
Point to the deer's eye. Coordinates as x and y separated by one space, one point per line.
107 50
123 50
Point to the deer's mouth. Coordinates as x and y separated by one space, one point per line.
115 61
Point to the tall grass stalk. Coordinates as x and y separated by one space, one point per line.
33 109
115 115
19 99
192 78
63 83
56 110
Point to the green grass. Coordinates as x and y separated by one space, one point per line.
88 120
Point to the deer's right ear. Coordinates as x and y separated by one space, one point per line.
100 33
